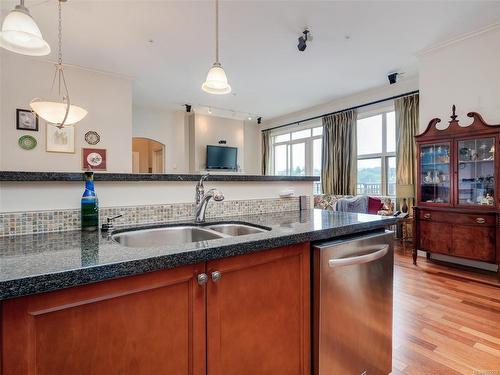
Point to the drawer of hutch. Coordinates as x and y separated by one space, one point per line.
458 218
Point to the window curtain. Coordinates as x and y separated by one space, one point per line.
339 156
407 128
266 153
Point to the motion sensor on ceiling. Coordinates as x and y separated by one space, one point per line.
393 77
303 40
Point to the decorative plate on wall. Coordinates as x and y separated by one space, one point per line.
92 137
94 159
27 142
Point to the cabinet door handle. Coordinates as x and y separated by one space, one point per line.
216 275
427 216
202 278
480 220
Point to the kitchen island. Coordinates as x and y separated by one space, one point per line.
82 303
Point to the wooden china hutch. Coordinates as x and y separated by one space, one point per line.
458 206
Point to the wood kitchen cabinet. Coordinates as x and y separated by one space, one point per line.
253 320
458 210
148 324
258 313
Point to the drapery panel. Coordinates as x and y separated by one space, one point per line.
407 127
339 155
266 153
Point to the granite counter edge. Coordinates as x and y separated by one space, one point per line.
86 275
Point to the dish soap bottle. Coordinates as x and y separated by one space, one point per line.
90 205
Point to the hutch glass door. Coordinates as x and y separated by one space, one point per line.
435 173
476 172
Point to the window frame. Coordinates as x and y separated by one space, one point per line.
384 155
309 149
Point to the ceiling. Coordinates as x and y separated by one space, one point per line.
356 44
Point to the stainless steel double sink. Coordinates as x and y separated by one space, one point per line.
174 235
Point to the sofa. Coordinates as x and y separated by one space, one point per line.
360 204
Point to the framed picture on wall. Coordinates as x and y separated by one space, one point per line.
94 158
26 120
60 139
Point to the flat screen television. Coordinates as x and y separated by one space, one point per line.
222 157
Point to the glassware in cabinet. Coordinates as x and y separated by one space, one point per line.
435 173
476 171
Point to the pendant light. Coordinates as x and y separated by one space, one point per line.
59 113
20 33
216 82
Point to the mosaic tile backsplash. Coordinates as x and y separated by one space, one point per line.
17 223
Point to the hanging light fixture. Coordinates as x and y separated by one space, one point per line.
216 82
20 33
59 113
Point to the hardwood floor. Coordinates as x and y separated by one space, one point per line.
446 320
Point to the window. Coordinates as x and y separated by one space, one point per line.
377 154
298 153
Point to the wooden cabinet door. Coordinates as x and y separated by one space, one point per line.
149 324
435 237
474 242
258 313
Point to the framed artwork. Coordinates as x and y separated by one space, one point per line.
94 159
26 120
60 139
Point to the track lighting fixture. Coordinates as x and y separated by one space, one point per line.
303 40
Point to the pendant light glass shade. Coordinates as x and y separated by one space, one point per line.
59 112
54 112
20 34
216 82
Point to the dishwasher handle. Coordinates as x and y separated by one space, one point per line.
341 262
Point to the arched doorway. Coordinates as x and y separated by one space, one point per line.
148 156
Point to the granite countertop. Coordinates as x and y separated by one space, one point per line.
15 176
45 262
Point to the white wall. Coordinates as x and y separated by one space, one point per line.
403 86
25 196
209 130
106 97
167 127
465 73
186 140
253 148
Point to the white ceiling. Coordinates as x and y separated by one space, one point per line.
269 76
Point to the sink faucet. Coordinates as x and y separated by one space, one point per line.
202 199
200 189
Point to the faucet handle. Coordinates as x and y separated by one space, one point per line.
217 195
110 219
109 223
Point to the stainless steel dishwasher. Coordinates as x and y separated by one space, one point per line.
352 317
